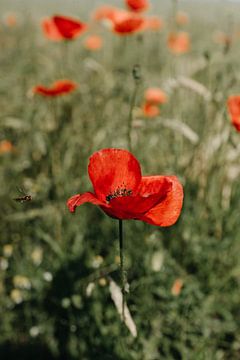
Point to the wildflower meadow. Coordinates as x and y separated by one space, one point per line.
119 170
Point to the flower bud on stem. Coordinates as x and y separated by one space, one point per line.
137 78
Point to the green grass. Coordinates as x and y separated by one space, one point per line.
56 319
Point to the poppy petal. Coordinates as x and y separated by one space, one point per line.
129 25
150 110
93 42
110 13
179 43
59 87
69 28
156 184
137 5
112 171
79 199
167 211
151 191
155 96
234 110
50 30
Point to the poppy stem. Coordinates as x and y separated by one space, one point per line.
132 104
173 17
122 267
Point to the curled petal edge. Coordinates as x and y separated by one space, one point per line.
166 212
79 199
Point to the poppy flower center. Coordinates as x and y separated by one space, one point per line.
119 192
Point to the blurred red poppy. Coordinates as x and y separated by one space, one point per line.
137 5
129 25
177 287
59 87
179 42
150 110
62 28
155 95
6 147
93 42
153 98
234 110
153 23
10 20
110 13
123 193
182 18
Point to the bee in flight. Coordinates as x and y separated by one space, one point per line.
24 197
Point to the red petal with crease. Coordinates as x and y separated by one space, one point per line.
167 211
50 30
59 28
234 110
59 87
129 25
77 200
155 184
68 27
152 190
137 5
113 169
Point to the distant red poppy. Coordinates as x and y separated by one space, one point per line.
182 18
153 23
177 287
59 87
155 95
129 25
6 147
10 20
110 13
150 110
137 5
123 193
93 42
59 28
222 38
234 110
179 42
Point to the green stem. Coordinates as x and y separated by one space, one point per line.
174 10
122 267
130 116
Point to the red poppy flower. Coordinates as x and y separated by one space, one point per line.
93 42
179 43
59 87
129 25
6 147
110 13
137 5
177 287
150 110
62 28
234 110
10 20
155 95
182 18
123 193
153 23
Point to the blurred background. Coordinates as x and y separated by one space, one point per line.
59 273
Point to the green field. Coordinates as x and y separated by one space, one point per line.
55 267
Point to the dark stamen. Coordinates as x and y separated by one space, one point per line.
119 192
